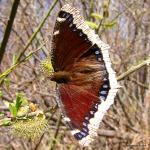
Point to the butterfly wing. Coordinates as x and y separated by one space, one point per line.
82 96
68 42
77 49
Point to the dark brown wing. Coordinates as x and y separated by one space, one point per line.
69 43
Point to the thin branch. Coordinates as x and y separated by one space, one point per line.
13 30
146 119
6 72
56 132
118 134
50 110
127 116
8 28
138 83
133 69
85 9
102 20
38 29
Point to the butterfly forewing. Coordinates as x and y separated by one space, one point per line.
68 42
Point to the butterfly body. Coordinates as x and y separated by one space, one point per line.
61 77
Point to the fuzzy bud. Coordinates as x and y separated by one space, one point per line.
30 128
46 67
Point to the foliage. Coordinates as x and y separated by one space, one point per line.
92 25
32 128
15 106
23 124
96 16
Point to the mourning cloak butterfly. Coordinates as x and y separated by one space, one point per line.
86 82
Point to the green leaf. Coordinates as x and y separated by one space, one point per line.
24 102
18 101
91 24
96 16
108 25
13 109
28 55
5 122
1 114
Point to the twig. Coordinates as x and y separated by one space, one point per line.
56 133
39 142
146 119
138 83
13 30
6 72
85 9
28 44
38 29
102 20
99 25
112 134
133 69
49 110
30 115
124 111
8 28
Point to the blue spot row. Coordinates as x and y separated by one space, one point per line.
103 92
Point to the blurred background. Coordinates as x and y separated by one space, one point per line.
124 25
